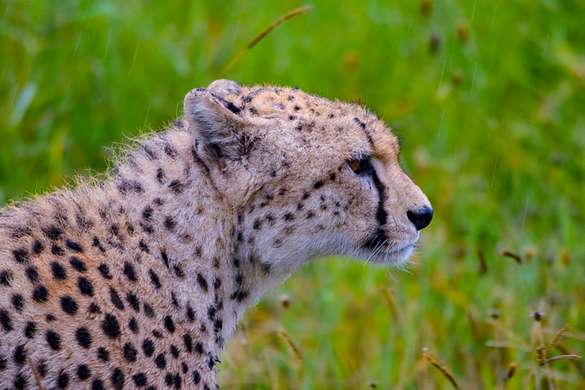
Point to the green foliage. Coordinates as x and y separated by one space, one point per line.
487 97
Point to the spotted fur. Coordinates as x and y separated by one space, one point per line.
137 281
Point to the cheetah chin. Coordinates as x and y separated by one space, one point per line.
384 253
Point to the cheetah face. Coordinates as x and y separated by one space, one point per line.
306 176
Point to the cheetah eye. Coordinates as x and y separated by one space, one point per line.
360 166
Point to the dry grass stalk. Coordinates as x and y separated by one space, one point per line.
557 338
277 22
483 268
541 351
391 303
571 356
510 372
517 258
291 345
435 362
35 374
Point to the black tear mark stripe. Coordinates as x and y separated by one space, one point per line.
381 214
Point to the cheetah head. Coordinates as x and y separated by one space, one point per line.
305 176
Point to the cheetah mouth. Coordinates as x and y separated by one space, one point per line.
381 251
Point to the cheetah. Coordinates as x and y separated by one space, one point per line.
138 279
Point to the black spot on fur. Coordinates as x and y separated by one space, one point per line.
202 282
19 355
176 186
20 255
143 247
3 363
94 308
190 314
103 354
129 352
174 351
139 379
20 382
154 279
130 272
170 151
74 246
53 232
132 299
160 175
148 310
133 325
68 305
30 330
97 384
5 278
164 257
83 337
62 380
57 250
105 271
148 347
5 321
170 223
115 299
199 347
58 271
40 294
37 247
17 302
179 271
147 214
77 264
117 379
96 244
239 295
85 286
169 324
53 339
160 361
196 377
83 372
111 326
188 342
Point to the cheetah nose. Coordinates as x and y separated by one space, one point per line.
421 218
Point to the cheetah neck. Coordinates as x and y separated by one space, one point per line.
191 234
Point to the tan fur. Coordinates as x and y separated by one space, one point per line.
196 223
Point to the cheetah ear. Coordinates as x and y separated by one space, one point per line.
216 121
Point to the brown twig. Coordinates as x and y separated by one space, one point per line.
435 362
277 22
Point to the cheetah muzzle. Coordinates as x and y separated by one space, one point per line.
138 280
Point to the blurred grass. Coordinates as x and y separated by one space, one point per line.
488 98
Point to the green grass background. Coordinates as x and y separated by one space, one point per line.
488 98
